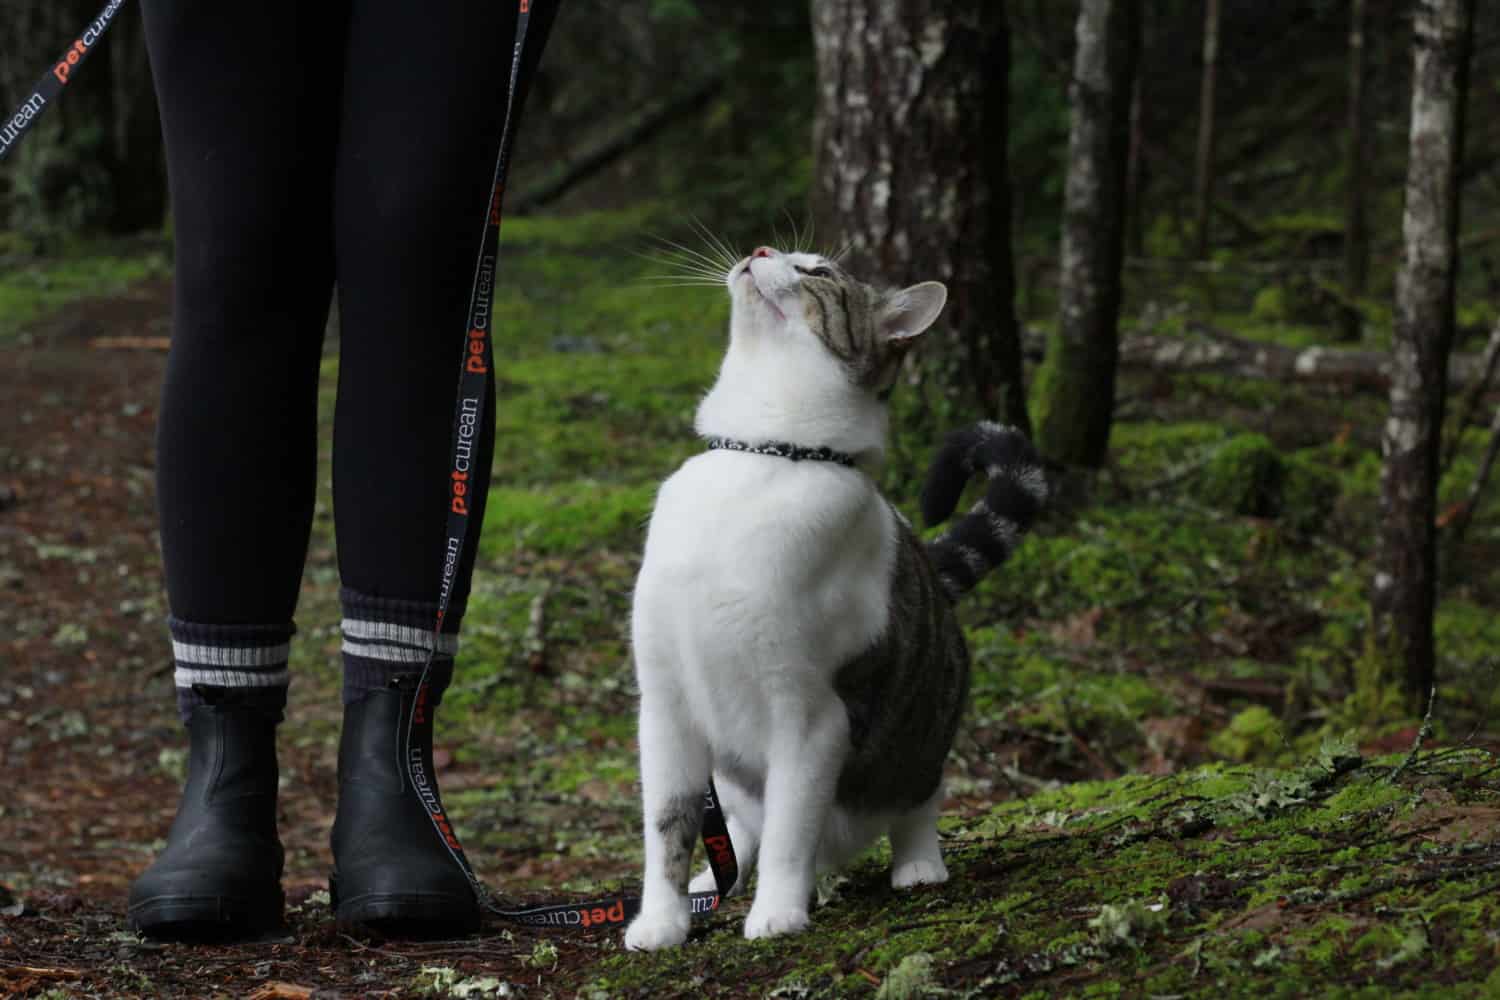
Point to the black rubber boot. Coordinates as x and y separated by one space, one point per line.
392 868
220 873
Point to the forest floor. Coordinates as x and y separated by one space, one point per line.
1164 786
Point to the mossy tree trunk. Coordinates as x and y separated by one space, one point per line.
1356 239
1405 580
1076 386
912 173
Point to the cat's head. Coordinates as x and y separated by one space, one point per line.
796 301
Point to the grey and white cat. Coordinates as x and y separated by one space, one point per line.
791 633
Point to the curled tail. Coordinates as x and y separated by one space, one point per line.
984 537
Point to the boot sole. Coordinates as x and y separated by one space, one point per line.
190 917
409 914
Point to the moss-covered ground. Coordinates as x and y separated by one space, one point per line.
1168 783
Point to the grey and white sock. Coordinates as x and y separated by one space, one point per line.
386 637
248 658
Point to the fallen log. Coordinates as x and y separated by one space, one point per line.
1217 352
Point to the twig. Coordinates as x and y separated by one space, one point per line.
534 643
1473 398
1423 731
1385 885
1457 520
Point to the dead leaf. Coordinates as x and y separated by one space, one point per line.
1080 630
281 991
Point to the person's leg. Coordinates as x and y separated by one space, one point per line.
424 102
248 98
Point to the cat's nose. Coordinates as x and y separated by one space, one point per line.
763 252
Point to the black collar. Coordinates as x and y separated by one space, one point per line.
783 449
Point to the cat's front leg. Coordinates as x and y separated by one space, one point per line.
674 778
801 778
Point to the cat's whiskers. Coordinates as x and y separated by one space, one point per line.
729 255
680 256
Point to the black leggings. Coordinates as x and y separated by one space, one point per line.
313 145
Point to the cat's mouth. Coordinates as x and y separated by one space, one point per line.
758 292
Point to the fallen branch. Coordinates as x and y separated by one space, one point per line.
1217 352
602 155
130 343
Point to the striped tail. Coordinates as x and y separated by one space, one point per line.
984 537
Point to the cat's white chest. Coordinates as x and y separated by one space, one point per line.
761 577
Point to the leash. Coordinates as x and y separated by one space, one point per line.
51 84
477 360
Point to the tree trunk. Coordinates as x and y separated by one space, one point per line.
1203 191
1405 579
1135 168
1076 388
1356 239
912 173
139 176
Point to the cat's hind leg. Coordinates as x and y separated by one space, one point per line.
916 854
807 752
674 780
743 814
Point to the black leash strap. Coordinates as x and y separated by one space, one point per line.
51 84
477 361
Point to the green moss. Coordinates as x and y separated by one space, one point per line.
1253 732
1243 476
35 289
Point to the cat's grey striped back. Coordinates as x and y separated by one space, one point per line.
905 694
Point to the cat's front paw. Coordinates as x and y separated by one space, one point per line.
653 931
764 922
922 871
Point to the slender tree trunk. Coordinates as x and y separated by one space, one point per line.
1405 580
912 173
139 178
1203 192
1356 239
1076 387
1135 170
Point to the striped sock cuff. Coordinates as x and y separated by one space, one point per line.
230 655
243 657
385 637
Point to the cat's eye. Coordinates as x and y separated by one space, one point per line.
817 272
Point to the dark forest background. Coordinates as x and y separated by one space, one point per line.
1245 671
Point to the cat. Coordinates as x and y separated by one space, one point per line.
792 635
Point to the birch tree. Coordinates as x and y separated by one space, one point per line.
912 173
1405 580
1076 387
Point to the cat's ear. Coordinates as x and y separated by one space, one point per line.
909 312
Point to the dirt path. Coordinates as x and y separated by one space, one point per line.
86 723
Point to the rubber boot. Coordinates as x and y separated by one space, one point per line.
220 873
392 867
